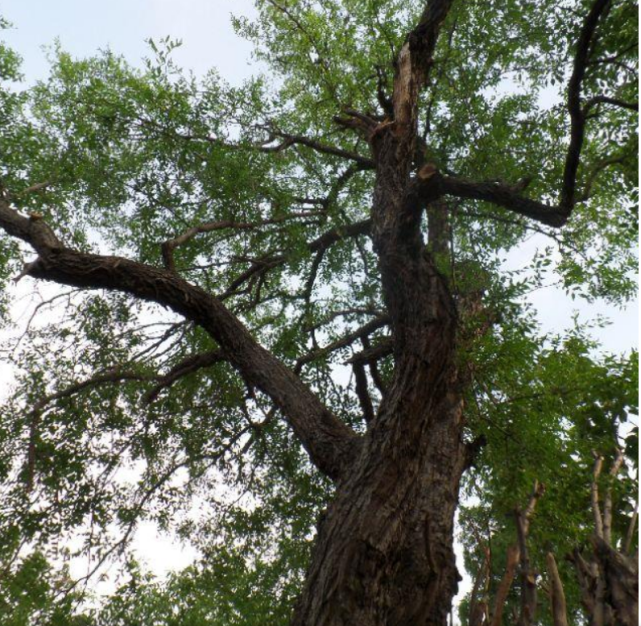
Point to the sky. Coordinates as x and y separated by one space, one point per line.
84 26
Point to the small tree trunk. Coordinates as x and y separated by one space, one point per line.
608 579
505 585
528 575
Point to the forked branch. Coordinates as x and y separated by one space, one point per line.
329 442
511 198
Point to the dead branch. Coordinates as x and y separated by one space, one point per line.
607 504
557 594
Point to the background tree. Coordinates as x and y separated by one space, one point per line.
287 302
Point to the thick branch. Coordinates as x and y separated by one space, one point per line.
577 116
528 576
32 229
506 197
374 353
509 197
503 590
329 441
412 288
632 106
338 233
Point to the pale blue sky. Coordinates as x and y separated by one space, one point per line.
83 26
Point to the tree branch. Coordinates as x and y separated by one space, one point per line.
607 503
594 495
503 590
528 576
329 442
374 353
364 163
318 245
577 116
632 106
514 554
343 342
170 245
362 392
506 197
629 536
186 366
557 594
511 198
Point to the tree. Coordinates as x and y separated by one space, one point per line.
295 293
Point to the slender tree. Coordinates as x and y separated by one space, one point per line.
288 299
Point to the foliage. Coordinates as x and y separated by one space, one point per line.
133 156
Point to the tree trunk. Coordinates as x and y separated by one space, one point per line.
384 554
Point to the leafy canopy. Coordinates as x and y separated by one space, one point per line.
101 430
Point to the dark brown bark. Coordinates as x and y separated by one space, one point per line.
608 578
609 585
331 444
384 551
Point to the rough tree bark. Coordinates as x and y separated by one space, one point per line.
385 549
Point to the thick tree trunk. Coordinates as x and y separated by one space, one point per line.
384 554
